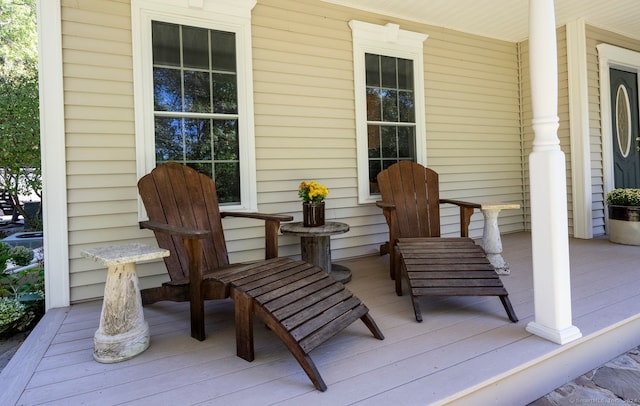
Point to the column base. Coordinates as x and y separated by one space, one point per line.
561 337
120 347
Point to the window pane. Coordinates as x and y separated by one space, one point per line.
389 72
197 139
374 169
389 142
388 162
195 42
225 93
372 64
204 168
227 176
373 132
197 92
406 107
166 43
223 50
167 93
225 140
405 74
168 139
406 143
390 105
374 107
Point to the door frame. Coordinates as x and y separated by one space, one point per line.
612 57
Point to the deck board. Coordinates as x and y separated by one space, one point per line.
463 343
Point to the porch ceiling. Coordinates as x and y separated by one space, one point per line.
505 19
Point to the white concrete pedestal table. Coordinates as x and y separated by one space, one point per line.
491 241
123 332
315 246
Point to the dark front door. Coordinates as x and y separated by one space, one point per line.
626 141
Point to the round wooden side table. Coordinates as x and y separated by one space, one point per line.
315 246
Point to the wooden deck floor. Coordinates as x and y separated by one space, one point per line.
466 351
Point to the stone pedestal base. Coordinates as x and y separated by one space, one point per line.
123 333
491 241
120 347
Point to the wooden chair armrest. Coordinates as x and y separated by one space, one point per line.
257 216
461 203
271 228
184 232
466 211
385 205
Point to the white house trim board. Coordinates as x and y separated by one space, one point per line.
610 56
387 40
52 147
579 129
227 15
547 169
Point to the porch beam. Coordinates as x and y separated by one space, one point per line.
548 188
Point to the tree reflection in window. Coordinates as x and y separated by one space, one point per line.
196 103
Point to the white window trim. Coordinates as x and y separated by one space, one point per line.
579 130
225 15
388 40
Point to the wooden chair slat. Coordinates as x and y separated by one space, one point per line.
329 315
323 286
329 330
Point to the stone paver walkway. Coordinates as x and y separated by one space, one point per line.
615 383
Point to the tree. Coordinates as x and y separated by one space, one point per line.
20 166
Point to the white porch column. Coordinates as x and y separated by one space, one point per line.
547 174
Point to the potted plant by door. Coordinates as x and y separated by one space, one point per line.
623 206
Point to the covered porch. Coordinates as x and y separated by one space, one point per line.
465 352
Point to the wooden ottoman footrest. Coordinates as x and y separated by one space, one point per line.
449 267
301 304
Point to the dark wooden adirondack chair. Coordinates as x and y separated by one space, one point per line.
298 301
432 265
184 215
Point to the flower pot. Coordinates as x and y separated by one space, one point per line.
624 224
313 214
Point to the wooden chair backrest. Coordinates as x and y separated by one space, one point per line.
413 189
178 195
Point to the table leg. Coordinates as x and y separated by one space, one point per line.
123 332
317 251
492 243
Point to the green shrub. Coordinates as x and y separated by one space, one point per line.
4 255
21 255
14 316
624 197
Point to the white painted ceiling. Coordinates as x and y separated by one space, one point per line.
505 19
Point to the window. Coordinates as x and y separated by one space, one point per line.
391 124
389 101
193 91
196 103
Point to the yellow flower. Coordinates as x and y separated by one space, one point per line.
312 192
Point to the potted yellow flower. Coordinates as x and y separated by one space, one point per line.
623 206
312 195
